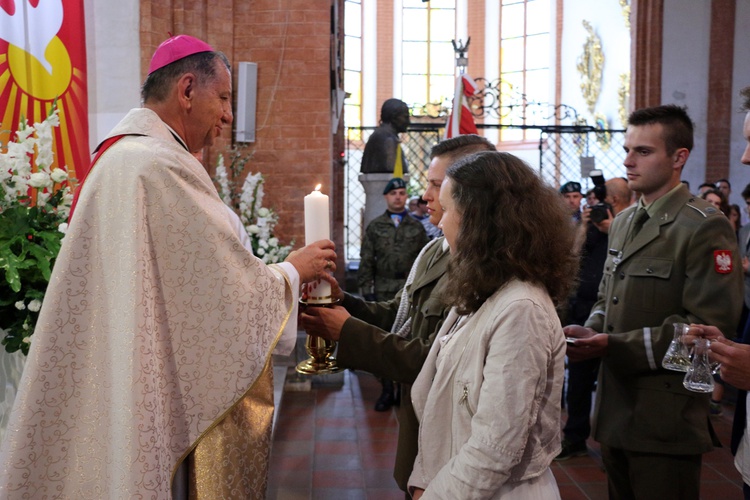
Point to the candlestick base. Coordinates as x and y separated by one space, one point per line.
321 361
319 301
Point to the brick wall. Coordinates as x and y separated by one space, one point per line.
719 115
646 32
385 55
290 41
476 52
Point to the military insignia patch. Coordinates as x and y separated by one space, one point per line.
723 261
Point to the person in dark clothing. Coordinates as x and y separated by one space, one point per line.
582 374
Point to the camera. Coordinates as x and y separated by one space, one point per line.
601 210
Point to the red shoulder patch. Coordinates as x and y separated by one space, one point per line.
723 261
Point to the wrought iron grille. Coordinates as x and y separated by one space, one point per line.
561 149
560 152
417 143
564 138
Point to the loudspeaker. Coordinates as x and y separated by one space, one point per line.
247 87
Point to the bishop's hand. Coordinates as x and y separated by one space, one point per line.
313 260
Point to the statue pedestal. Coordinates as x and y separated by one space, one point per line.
374 202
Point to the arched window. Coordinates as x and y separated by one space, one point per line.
353 63
525 56
419 67
427 58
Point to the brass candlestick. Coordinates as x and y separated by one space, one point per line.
320 350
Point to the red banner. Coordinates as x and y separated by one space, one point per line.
43 60
461 120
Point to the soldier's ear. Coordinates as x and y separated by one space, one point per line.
680 156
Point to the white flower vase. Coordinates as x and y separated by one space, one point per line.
11 368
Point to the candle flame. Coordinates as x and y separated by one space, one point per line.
317 188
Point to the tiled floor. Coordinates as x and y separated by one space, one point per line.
330 444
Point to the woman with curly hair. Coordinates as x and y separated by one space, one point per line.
488 396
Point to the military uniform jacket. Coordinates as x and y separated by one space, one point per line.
366 344
676 269
388 253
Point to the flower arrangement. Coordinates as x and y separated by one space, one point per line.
258 220
34 205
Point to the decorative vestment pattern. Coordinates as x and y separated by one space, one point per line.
156 323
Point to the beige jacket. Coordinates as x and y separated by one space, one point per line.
488 397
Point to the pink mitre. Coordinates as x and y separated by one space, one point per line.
175 48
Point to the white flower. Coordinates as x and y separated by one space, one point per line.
59 175
44 158
40 180
42 197
259 221
25 326
20 305
225 192
20 185
35 305
21 149
26 340
63 228
24 132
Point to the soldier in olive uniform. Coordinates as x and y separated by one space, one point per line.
392 241
672 258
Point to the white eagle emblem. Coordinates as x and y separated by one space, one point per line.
723 262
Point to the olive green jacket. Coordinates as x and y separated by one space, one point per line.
683 266
366 344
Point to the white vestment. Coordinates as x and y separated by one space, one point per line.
156 324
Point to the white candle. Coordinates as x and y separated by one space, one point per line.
317 227
316 217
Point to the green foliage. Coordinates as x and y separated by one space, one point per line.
29 243
34 205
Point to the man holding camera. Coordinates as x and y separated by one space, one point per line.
595 219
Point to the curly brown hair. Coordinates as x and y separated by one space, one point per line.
512 226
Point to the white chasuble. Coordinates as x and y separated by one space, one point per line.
156 324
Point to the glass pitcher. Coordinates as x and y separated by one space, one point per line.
677 357
699 377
